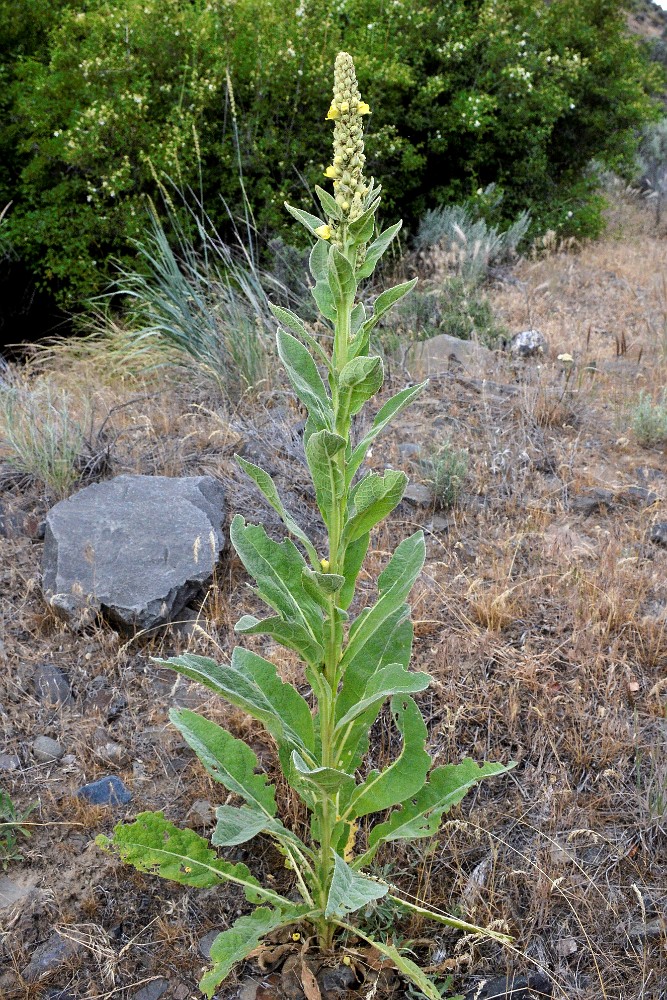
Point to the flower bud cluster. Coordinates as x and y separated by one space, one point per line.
347 170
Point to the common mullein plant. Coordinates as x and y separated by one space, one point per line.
352 663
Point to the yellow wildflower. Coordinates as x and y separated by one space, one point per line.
324 232
363 109
324 563
332 113
331 172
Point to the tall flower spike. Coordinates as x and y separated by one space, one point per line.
347 170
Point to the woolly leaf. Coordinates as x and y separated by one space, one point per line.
268 489
374 498
305 378
375 251
391 409
359 380
288 634
322 449
350 891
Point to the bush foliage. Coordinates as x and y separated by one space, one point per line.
99 100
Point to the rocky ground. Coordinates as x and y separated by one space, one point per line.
541 614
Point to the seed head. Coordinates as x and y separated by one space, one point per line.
347 170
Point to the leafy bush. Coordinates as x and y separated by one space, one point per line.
653 163
445 471
100 100
649 420
42 432
470 245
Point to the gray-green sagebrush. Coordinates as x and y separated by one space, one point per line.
353 665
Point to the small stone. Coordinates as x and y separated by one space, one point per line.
201 814
206 942
419 495
529 344
659 533
51 685
441 525
409 450
114 753
49 956
45 749
69 759
11 892
108 791
9 762
337 980
152 990
638 496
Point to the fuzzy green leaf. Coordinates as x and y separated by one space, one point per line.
350 891
268 489
328 476
357 317
277 568
359 380
382 304
385 683
227 760
406 775
236 943
376 249
328 583
355 553
373 499
362 229
391 409
329 205
238 824
420 815
313 783
394 584
288 634
341 279
251 683
153 844
319 262
311 222
305 378
296 325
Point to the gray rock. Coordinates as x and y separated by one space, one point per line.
419 495
152 990
51 685
339 979
45 749
12 892
137 548
109 791
9 762
438 353
659 533
206 942
529 344
49 956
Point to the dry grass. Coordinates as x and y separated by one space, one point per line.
541 617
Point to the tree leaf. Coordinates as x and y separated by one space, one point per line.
405 776
376 249
328 475
269 491
311 222
252 684
359 380
305 378
374 497
226 759
236 943
350 891
391 409
288 634
394 584
152 844
420 815
277 568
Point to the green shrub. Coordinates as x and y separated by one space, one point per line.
445 471
100 99
649 420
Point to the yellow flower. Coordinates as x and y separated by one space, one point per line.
324 563
566 358
330 172
324 232
332 113
363 109
345 106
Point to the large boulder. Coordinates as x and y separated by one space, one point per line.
136 548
